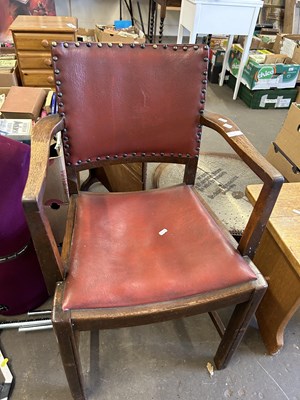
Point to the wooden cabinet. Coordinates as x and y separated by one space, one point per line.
33 36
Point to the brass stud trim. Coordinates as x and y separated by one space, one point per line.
175 48
143 46
132 45
66 45
120 45
155 46
99 45
165 46
58 83
109 45
59 94
54 44
196 47
54 58
56 71
205 59
77 44
61 104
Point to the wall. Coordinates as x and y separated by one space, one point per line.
91 12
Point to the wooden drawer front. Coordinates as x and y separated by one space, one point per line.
37 77
39 41
34 59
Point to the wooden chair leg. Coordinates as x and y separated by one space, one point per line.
96 175
236 328
68 346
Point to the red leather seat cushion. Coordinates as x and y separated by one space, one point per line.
118 257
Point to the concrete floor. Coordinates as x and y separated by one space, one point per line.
167 361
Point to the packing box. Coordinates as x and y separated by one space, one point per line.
288 43
284 152
9 78
57 216
23 102
56 196
215 64
86 35
56 190
264 99
258 76
108 34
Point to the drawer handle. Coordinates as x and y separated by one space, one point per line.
47 61
45 43
50 79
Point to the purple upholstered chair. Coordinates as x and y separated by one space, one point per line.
22 284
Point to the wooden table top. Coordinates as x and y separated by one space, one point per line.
284 223
34 23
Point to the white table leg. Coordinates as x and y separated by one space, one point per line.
180 34
244 59
226 57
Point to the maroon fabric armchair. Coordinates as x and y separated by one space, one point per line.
22 283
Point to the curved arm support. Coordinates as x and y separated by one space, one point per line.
272 179
32 200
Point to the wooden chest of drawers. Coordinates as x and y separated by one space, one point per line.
32 37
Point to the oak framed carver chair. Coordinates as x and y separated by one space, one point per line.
140 257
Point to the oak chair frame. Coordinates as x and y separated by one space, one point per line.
246 297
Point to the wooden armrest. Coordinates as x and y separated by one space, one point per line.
271 178
41 137
32 200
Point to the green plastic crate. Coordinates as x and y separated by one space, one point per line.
263 99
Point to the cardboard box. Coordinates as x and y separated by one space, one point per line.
9 78
57 216
56 190
258 76
264 99
86 35
279 42
298 95
23 102
284 153
108 34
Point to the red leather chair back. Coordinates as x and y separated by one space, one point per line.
123 100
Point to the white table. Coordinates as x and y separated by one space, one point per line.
221 17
